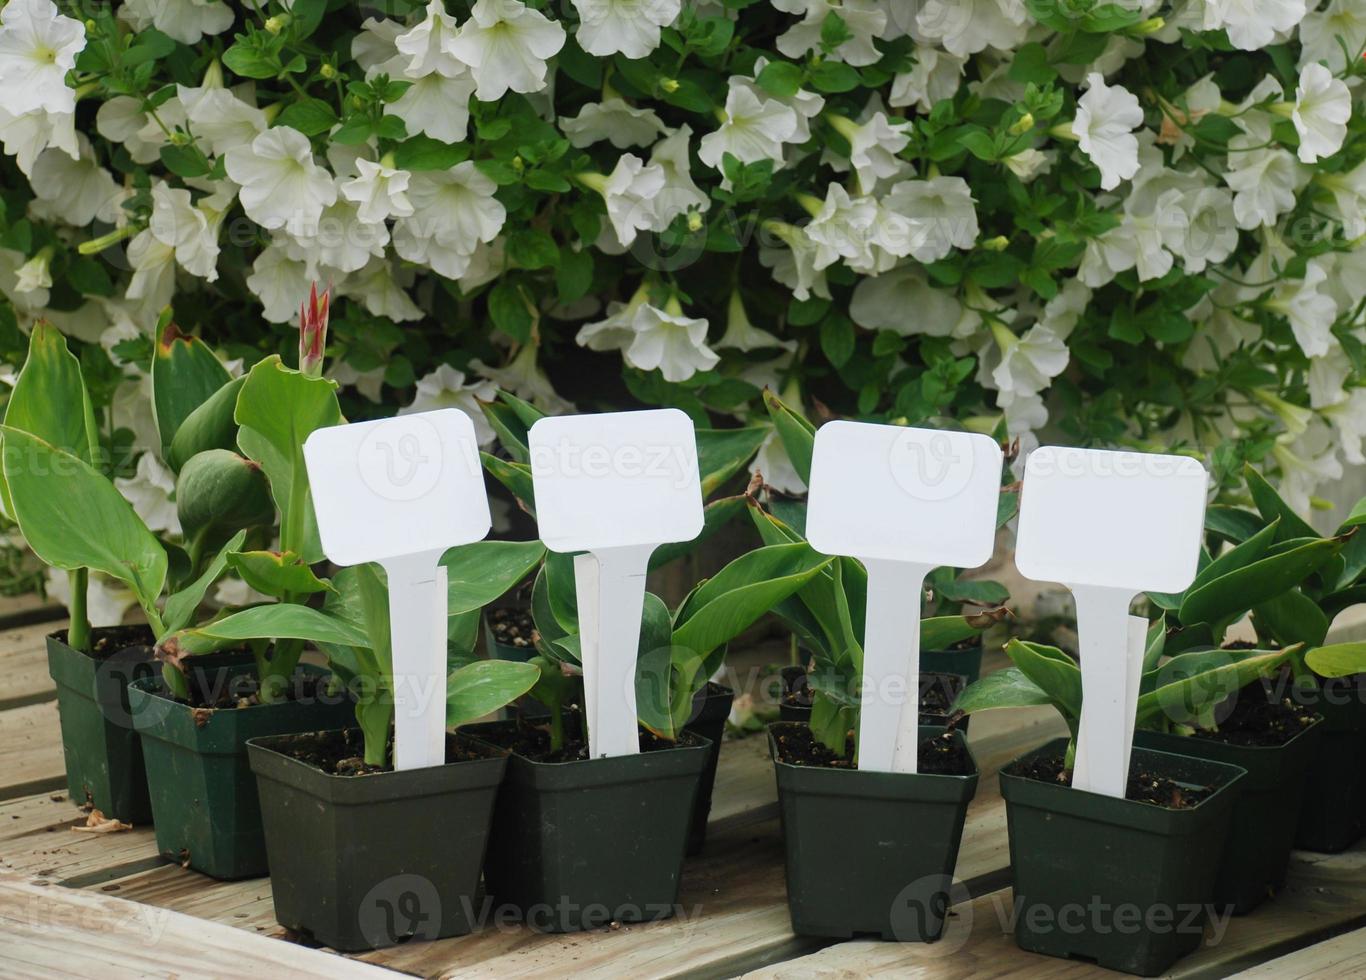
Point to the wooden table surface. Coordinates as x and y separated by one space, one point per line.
106 905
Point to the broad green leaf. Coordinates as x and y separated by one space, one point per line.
1225 599
218 493
721 453
481 572
512 435
515 476
943 632
185 374
560 591
1271 506
1005 688
1231 523
1155 647
1358 515
278 621
180 607
715 516
724 606
1338 659
1253 549
210 426
1291 617
277 409
481 688
797 434
655 676
277 573
73 517
1053 672
1188 687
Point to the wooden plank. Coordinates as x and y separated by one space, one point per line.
20 610
23 665
30 750
1344 956
58 931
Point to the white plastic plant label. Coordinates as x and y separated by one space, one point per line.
615 486
400 492
1110 525
904 501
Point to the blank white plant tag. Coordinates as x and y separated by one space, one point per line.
904 501
617 486
1110 525
400 492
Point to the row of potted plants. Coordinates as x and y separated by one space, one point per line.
578 842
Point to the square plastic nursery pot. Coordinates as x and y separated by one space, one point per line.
710 709
103 754
1122 884
795 702
374 860
578 845
204 800
891 874
1257 850
965 660
1333 813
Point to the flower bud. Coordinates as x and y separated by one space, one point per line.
998 244
669 85
313 331
277 23
1023 125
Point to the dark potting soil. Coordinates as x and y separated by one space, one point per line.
1254 719
512 627
532 741
108 640
217 691
942 755
342 753
937 693
1144 786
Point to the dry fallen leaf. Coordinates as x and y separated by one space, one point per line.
98 823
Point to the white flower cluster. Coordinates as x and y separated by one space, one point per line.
866 199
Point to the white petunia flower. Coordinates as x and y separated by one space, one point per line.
38 46
457 203
1029 163
149 490
742 334
615 120
966 27
806 105
375 48
1321 29
443 253
1306 463
679 194
380 293
1029 361
627 27
863 19
122 120
1328 376
369 383
752 129
188 21
1348 417
1264 179
338 239
844 228
506 44
523 377
935 76
667 341
773 464
941 215
279 181
106 599
1309 311
630 193
153 264
1349 198
1104 124
219 118
191 231
35 274
1322 107
430 45
873 145
795 266
1211 233
76 190
616 330
379 192
904 302
446 387
278 281
1063 312
436 105
1253 24
27 135
30 302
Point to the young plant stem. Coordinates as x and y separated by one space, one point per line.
175 681
556 727
78 633
279 662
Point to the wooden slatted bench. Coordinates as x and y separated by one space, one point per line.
120 909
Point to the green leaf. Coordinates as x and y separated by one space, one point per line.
515 476
418 153
1054 673
532 249
184 161
311 117
1271 506
483 571
210 426
481 688
834 77
780 79
1187 688
73 517
185 374
837 339
277 409
276 573
242 59
1226 598
722 452
279 621
1005 688
181 606
1291 617
943 632
797 434
655 677
219 493
715 515
1338 659
574 275
509 312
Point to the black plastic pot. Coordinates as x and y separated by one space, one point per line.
1333 814
577 845
710 709
965 661
103 754
890 870
368 861
795 701
1118 883
204 801
504 651
1257 851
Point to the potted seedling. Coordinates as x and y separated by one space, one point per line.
721 453
873 508
58 488
1321 577
826 618
593 819
1095 822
